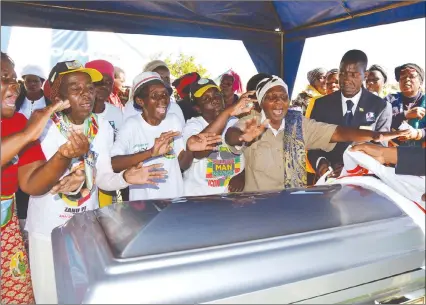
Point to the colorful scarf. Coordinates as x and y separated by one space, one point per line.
90 130
415 123
294 151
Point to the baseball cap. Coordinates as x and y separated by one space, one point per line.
146 78
103 66
199 87
183 83
33 70
66 67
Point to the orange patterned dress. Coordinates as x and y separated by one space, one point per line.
16 286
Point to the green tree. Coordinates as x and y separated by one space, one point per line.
185 64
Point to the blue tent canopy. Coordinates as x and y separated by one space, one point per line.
273 32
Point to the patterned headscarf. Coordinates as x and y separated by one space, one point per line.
314 74
419 70
332 71
379 69
267 83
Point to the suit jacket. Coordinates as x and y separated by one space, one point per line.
371 111
411 161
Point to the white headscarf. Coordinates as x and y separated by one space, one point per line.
267 83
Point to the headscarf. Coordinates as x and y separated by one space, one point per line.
152 65
267 83
379 69
419 70
103 66
314 74
332 71
237 85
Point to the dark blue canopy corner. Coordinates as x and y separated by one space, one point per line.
259 24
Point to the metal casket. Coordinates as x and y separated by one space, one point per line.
323 244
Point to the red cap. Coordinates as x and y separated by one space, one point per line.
103 66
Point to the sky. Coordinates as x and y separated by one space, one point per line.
388 45
384 45
129 51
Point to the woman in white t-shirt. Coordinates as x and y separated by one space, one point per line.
155 136
212 172
32 96
70 81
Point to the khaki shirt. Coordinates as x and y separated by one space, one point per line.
264 168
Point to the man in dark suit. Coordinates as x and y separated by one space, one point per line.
351 106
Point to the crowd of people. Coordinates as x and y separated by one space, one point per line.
76 140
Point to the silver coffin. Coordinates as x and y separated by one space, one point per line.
332 244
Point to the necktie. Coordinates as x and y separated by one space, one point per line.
348 115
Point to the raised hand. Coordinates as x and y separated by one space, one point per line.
39 118
245 104
162 144
145 174
387 136
415 113
69 183
252 130
77 146
203 142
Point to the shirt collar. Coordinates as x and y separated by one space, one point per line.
355 99
274 131
40 100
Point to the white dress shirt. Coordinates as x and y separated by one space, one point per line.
28 107
274 131
354 100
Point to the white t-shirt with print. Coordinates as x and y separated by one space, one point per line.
174 108
113 115
210 175
136 135
49 211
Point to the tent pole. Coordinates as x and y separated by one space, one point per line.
282 55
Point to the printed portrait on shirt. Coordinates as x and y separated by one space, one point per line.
88 166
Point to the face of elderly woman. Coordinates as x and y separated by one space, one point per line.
409 82
332 83
9 88
375 81
320 84
275 105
